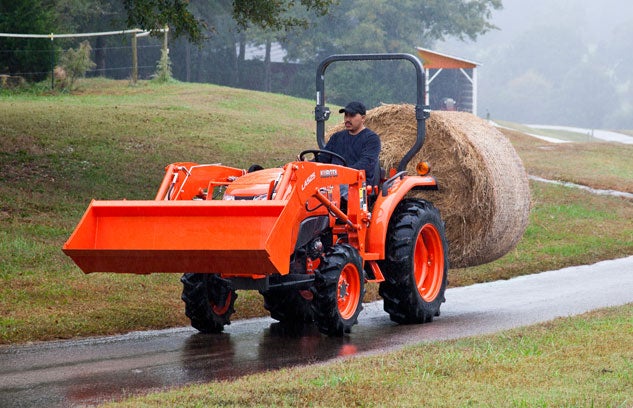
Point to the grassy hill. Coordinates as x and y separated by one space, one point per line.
112 141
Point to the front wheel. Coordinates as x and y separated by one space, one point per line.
209 301
339 287
416 263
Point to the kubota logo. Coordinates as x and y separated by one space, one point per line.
329 173
309 180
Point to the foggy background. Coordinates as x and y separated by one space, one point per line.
551 62
559 62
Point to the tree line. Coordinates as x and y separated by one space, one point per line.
574 80
209 40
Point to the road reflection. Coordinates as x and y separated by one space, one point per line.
207 357
90 371
189 358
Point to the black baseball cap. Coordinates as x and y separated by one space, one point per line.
353 108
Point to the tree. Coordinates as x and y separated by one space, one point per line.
215 58
24 55
163 68
388 26
370 26
585 97
89 15
267 14
615 57
92 16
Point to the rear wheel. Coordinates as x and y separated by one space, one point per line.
416 264
209 301
339 287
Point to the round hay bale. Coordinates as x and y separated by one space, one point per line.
483 195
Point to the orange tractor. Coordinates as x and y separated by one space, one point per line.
283 232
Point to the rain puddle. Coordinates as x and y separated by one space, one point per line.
613 193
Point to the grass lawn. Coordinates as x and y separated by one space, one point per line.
112 141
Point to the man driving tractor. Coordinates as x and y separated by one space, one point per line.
357 144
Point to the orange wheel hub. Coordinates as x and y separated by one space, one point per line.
429 262
348 291
221 309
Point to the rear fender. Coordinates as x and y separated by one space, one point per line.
385 206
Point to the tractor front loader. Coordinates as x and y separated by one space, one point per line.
283 232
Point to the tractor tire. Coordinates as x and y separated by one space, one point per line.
288 306
416 264
209 301
339 287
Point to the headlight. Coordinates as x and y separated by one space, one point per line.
257 197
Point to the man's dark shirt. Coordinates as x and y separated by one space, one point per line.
360 151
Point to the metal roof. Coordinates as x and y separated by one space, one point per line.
435 60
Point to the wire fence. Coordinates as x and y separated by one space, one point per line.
117 54
115 67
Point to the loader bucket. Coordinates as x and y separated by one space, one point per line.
232 238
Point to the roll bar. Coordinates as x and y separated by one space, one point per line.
422 112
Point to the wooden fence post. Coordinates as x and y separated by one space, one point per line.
134 59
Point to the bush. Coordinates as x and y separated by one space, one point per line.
75 63
163 69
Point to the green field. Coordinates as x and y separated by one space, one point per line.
112 141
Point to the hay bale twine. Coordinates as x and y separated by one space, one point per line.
483 195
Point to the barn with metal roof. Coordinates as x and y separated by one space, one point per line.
451 82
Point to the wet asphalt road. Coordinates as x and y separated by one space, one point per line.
85 372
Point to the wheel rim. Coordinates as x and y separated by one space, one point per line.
221 309
348 291
428 262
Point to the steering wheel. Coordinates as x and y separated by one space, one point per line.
316 154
